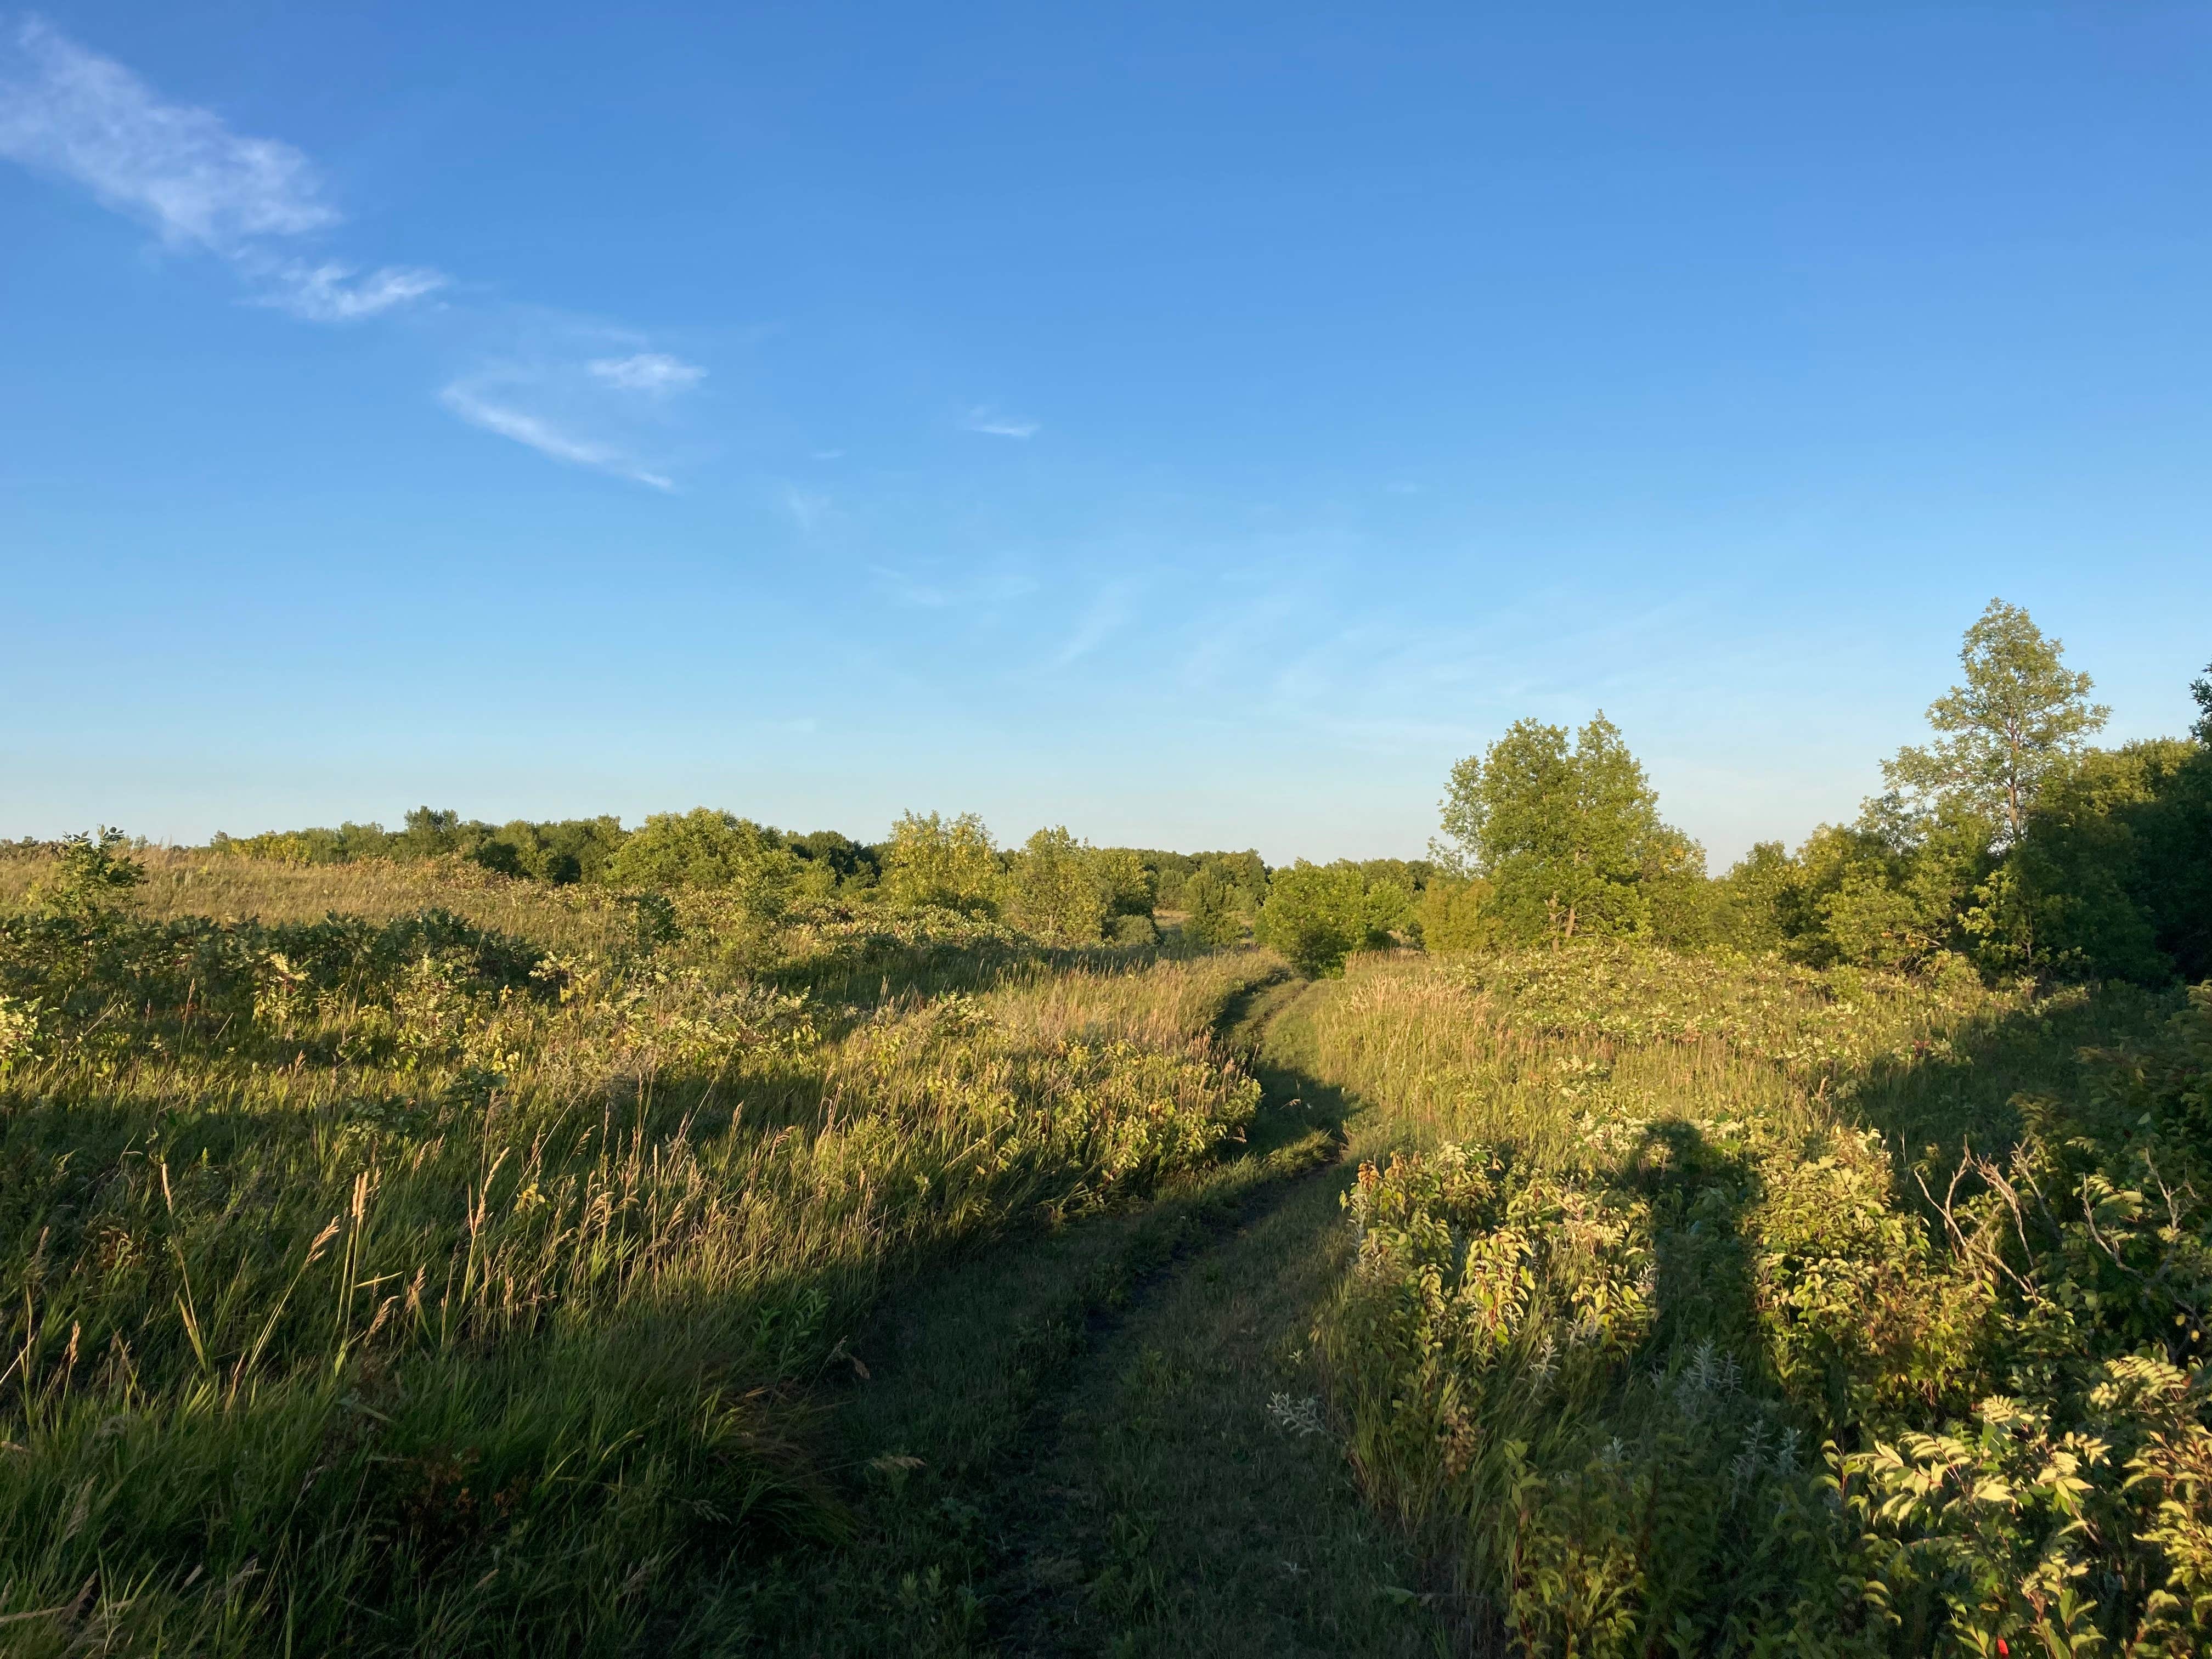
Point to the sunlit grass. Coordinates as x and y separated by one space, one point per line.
186 882
1658 1229
380 1296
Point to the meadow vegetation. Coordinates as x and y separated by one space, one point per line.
709 1238
1706 1301
406 1285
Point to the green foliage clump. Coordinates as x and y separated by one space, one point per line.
950 864
707 848
1455 914
1211 914
2021 715
1062 888
559 853
1052 888
1244 872
1565 829
2112 878
2005 846
92 878
1220 895
2006 843
1128 887
1316 915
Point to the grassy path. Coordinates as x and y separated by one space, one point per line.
1100 1442
1166 1509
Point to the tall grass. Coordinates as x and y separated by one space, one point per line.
1699 1312
406 1284
181 882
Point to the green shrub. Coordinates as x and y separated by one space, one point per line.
1317 915
1455 915
1211 916
1053 887
950 864
92 878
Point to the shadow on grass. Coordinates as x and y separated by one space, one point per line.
977 1531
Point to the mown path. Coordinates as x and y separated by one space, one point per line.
1106 1441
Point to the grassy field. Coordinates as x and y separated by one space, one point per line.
454 1280
181 883
1710 1307
414 1260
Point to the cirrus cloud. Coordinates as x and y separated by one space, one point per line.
181 171
260 204
654 373
509 420
984 419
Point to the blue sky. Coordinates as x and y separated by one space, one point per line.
1195 424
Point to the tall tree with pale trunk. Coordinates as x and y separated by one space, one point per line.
2021 716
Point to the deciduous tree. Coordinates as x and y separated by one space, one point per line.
1212 915
1053 890
2021 715
1315 915
1565 828
948 862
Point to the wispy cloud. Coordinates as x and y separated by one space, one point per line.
71 112
983 418
262 204
807 507
180 170
653 372
1100 617
541 435
333 293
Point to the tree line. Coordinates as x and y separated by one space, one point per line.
1053 885
2006 844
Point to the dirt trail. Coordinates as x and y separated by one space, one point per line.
1119 1422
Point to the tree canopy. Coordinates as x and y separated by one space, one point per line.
948 863
1315 915
2021 715
1564 827
1052 889
1213 916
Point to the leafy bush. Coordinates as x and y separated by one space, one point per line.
707 848
1053 889
92 877
951 864
1456 915
1566 828
1315 915
1211 916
